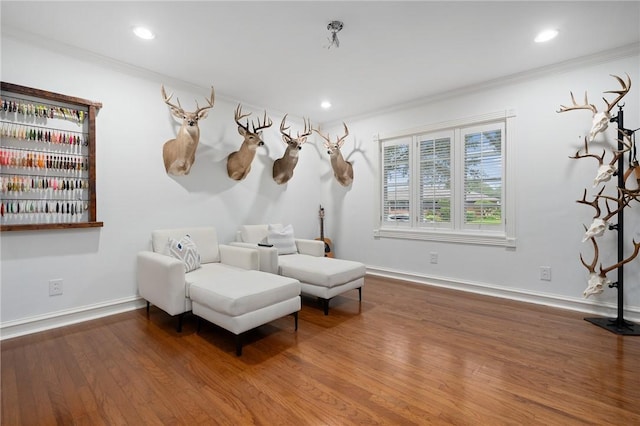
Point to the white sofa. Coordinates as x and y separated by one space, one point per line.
227 289
319 276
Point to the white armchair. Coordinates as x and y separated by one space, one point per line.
319 276
226 289
254 237
162 279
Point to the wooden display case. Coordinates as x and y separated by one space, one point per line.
47 160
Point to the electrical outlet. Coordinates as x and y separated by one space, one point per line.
55 287
434 257
545 273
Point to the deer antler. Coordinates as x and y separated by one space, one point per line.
621 93
600 119
636 250
622 201
600 158
327 142
604 171
586 154
176 109
301 138
592 266
596 281
594 203
283 128
307 129
575 106
210 101
237 116
339 141
264 124
626 86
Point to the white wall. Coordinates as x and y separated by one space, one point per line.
548 220
135 195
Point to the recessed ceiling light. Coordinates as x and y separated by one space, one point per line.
144 33
546 35
325 104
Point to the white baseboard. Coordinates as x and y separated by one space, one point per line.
10 329
574 304
21 327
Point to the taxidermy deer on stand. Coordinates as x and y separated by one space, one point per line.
239 162
283 167
179 154
342 169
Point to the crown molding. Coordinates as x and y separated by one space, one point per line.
626 51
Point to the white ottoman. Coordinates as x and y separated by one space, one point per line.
323 277
241 300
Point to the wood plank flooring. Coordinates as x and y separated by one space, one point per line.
408 354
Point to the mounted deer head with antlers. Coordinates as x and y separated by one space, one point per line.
239 162
283 167
342 169
600 119
179 154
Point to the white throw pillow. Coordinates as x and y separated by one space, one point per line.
185 250
282 239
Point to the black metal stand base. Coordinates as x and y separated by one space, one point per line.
616 326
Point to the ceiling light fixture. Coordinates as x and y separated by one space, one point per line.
546 35
325 104
144 33
334 27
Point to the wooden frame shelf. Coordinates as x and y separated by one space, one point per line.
40 160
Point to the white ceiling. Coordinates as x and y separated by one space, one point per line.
274 53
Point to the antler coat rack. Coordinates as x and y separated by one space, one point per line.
624 196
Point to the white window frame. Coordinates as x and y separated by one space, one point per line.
457 233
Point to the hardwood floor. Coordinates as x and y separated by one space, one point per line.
408 354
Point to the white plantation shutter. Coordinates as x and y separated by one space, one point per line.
448 181
483 170
396 181
435 178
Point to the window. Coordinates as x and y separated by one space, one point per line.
448 182
434 180
396 181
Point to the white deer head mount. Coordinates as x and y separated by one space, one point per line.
342 169
179 154
596 229
239 162
600 119
283 167
597 280
601 224
605 171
